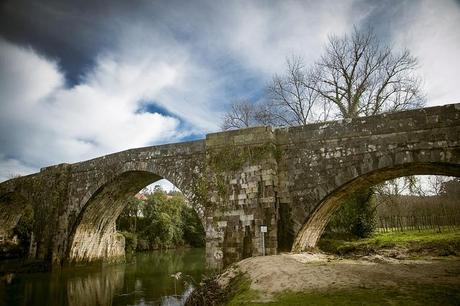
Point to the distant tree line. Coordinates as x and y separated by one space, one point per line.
160 220
393 208
438 210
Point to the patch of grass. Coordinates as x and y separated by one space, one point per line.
410 236
239 291
407 295
427 242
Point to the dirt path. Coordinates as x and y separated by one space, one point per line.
303 272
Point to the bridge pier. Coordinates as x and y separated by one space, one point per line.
243 183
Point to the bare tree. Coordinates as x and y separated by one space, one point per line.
13 176
292 97
291 100
451 189
356 76
241 115
435 184
399 186
361 77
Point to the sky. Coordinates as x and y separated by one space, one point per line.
81 79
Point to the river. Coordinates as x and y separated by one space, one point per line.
146 280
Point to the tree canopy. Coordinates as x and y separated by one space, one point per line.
163 220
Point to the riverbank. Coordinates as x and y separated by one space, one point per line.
320 279
411 268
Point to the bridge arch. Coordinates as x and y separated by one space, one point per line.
12 206
93 236
313 227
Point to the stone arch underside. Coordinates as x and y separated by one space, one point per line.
12 207
94 236
314 226
99 188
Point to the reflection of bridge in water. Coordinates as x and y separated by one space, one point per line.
92 286
290 179
98 288
145 280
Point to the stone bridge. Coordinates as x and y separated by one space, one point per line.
290 179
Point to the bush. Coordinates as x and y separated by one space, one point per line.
193 231
356 217
162 221
23 230
142 244
130 242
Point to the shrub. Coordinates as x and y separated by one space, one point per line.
130 242
356 217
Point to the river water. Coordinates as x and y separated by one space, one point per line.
147 280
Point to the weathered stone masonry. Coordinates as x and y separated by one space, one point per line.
325 162
243 175
289 179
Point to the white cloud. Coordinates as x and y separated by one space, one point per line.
26 78
265 35
192 62
431 32
48 123
10 168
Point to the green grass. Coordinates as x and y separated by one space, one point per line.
410 236
240 292
407 295
415 242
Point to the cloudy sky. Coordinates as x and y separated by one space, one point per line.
82 80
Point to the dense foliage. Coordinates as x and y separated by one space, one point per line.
356 217
160 221
17 242
23 229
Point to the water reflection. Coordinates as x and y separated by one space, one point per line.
147 280
96 288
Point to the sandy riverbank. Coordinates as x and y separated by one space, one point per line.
309 272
